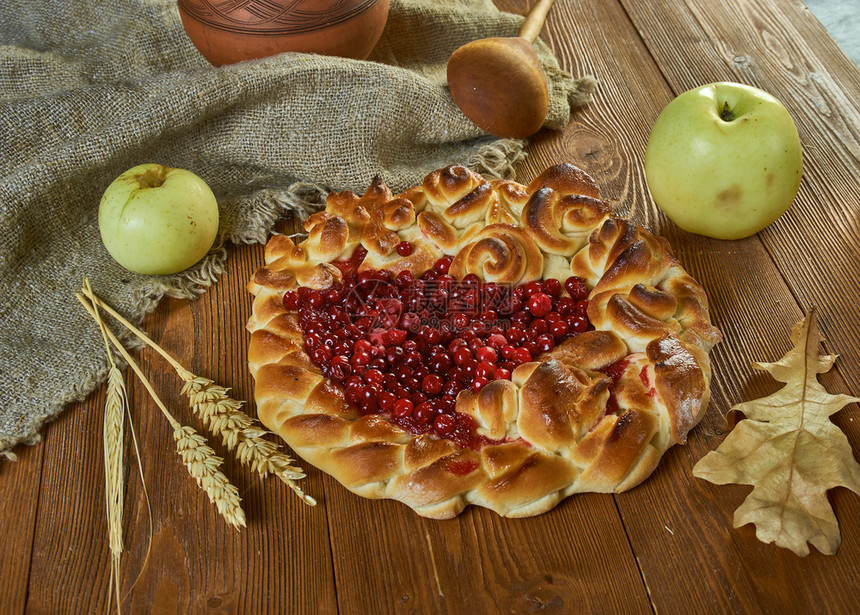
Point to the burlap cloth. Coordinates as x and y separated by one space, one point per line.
90 88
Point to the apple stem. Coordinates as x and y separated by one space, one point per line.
726 114
152 178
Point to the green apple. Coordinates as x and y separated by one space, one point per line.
158 220
724 160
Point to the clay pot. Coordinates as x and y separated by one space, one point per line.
228 32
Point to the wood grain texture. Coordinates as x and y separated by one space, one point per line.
546 563
19 507
667 546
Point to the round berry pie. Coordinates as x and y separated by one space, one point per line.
479 342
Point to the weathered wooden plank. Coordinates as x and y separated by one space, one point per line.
69 566
576 557
19 507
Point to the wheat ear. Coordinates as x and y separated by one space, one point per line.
116 403
223 416
199 458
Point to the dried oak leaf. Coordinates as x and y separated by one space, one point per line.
789 451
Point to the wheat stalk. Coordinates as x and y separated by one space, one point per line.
113 447
199 458
116 405
224 417
116 402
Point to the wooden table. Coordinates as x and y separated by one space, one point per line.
667 546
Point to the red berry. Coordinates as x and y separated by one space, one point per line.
522 355
403 408
479 383
354 391
420 372
404 278
516 335
332 297
469 366
360 358
445 281
321 354
565 305
460 320
539 304
362 346
530 288
340 367
387 401
424 412
461 355
578 324
471 297
432 384
404 248
291 300
413 359
374 376
441 363
394 355
430 335
443 264
452 386
576 288
538 327
488 316
486 370
558 329
471 279
395 337
545 342
497 341
444 424
486 353
552 287
372 393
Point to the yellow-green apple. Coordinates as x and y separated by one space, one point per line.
158 220
724 160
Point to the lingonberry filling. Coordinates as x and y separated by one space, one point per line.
405 346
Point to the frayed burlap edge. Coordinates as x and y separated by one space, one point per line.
496 159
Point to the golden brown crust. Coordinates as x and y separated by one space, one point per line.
594 414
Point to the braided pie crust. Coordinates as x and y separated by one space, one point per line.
559 426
